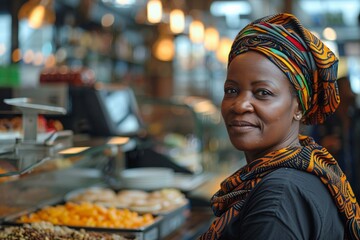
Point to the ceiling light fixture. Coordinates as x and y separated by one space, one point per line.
196 31
38 12
177 21
223 8
154 11
212 38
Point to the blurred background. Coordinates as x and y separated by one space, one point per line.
92 88
172 54
160 48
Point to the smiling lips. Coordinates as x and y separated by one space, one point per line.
240 126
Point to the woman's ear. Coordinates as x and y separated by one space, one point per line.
298 115
297 110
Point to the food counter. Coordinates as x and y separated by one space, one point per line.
51 183
179 160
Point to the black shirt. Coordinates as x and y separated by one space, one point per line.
287 204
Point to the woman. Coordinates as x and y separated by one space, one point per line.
279 75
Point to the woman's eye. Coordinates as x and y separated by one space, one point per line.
263 92
229 91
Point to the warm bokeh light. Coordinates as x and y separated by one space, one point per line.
212 38
38 59
223 50
107 20
28 56
38 13
73 150
164 49
205 107
177 21
196 31
50 61
329 34
118 140
154 11
16 55
36 16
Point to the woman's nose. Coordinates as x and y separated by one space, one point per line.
243 103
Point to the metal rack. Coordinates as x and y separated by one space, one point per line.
25 151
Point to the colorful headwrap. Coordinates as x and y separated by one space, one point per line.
310 65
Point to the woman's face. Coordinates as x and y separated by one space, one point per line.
258 106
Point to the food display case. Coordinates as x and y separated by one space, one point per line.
103 111
184 134
188 129
48 187
87 160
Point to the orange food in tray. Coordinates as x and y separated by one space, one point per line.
7 178
89 215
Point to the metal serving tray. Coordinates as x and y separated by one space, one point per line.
173 218
149 232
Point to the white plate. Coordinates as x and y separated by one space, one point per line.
75 193
147 172
148 178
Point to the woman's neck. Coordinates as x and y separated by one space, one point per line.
253 155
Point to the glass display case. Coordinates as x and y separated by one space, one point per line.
87 163
189 130
38 166
185 135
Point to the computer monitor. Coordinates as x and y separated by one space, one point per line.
113 111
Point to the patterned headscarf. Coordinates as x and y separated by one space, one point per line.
310 65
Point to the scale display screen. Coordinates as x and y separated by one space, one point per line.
113 111
122 110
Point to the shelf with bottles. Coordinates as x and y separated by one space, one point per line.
127 46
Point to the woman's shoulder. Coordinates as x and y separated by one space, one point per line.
289 190
296 183
293 198
296 191
289 203
293 177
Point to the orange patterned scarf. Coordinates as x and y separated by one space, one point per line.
310 157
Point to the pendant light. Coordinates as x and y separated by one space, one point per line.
38 12
154 11
223 50
177 21
211 39
164 48
196 31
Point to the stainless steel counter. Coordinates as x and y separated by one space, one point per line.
44 189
